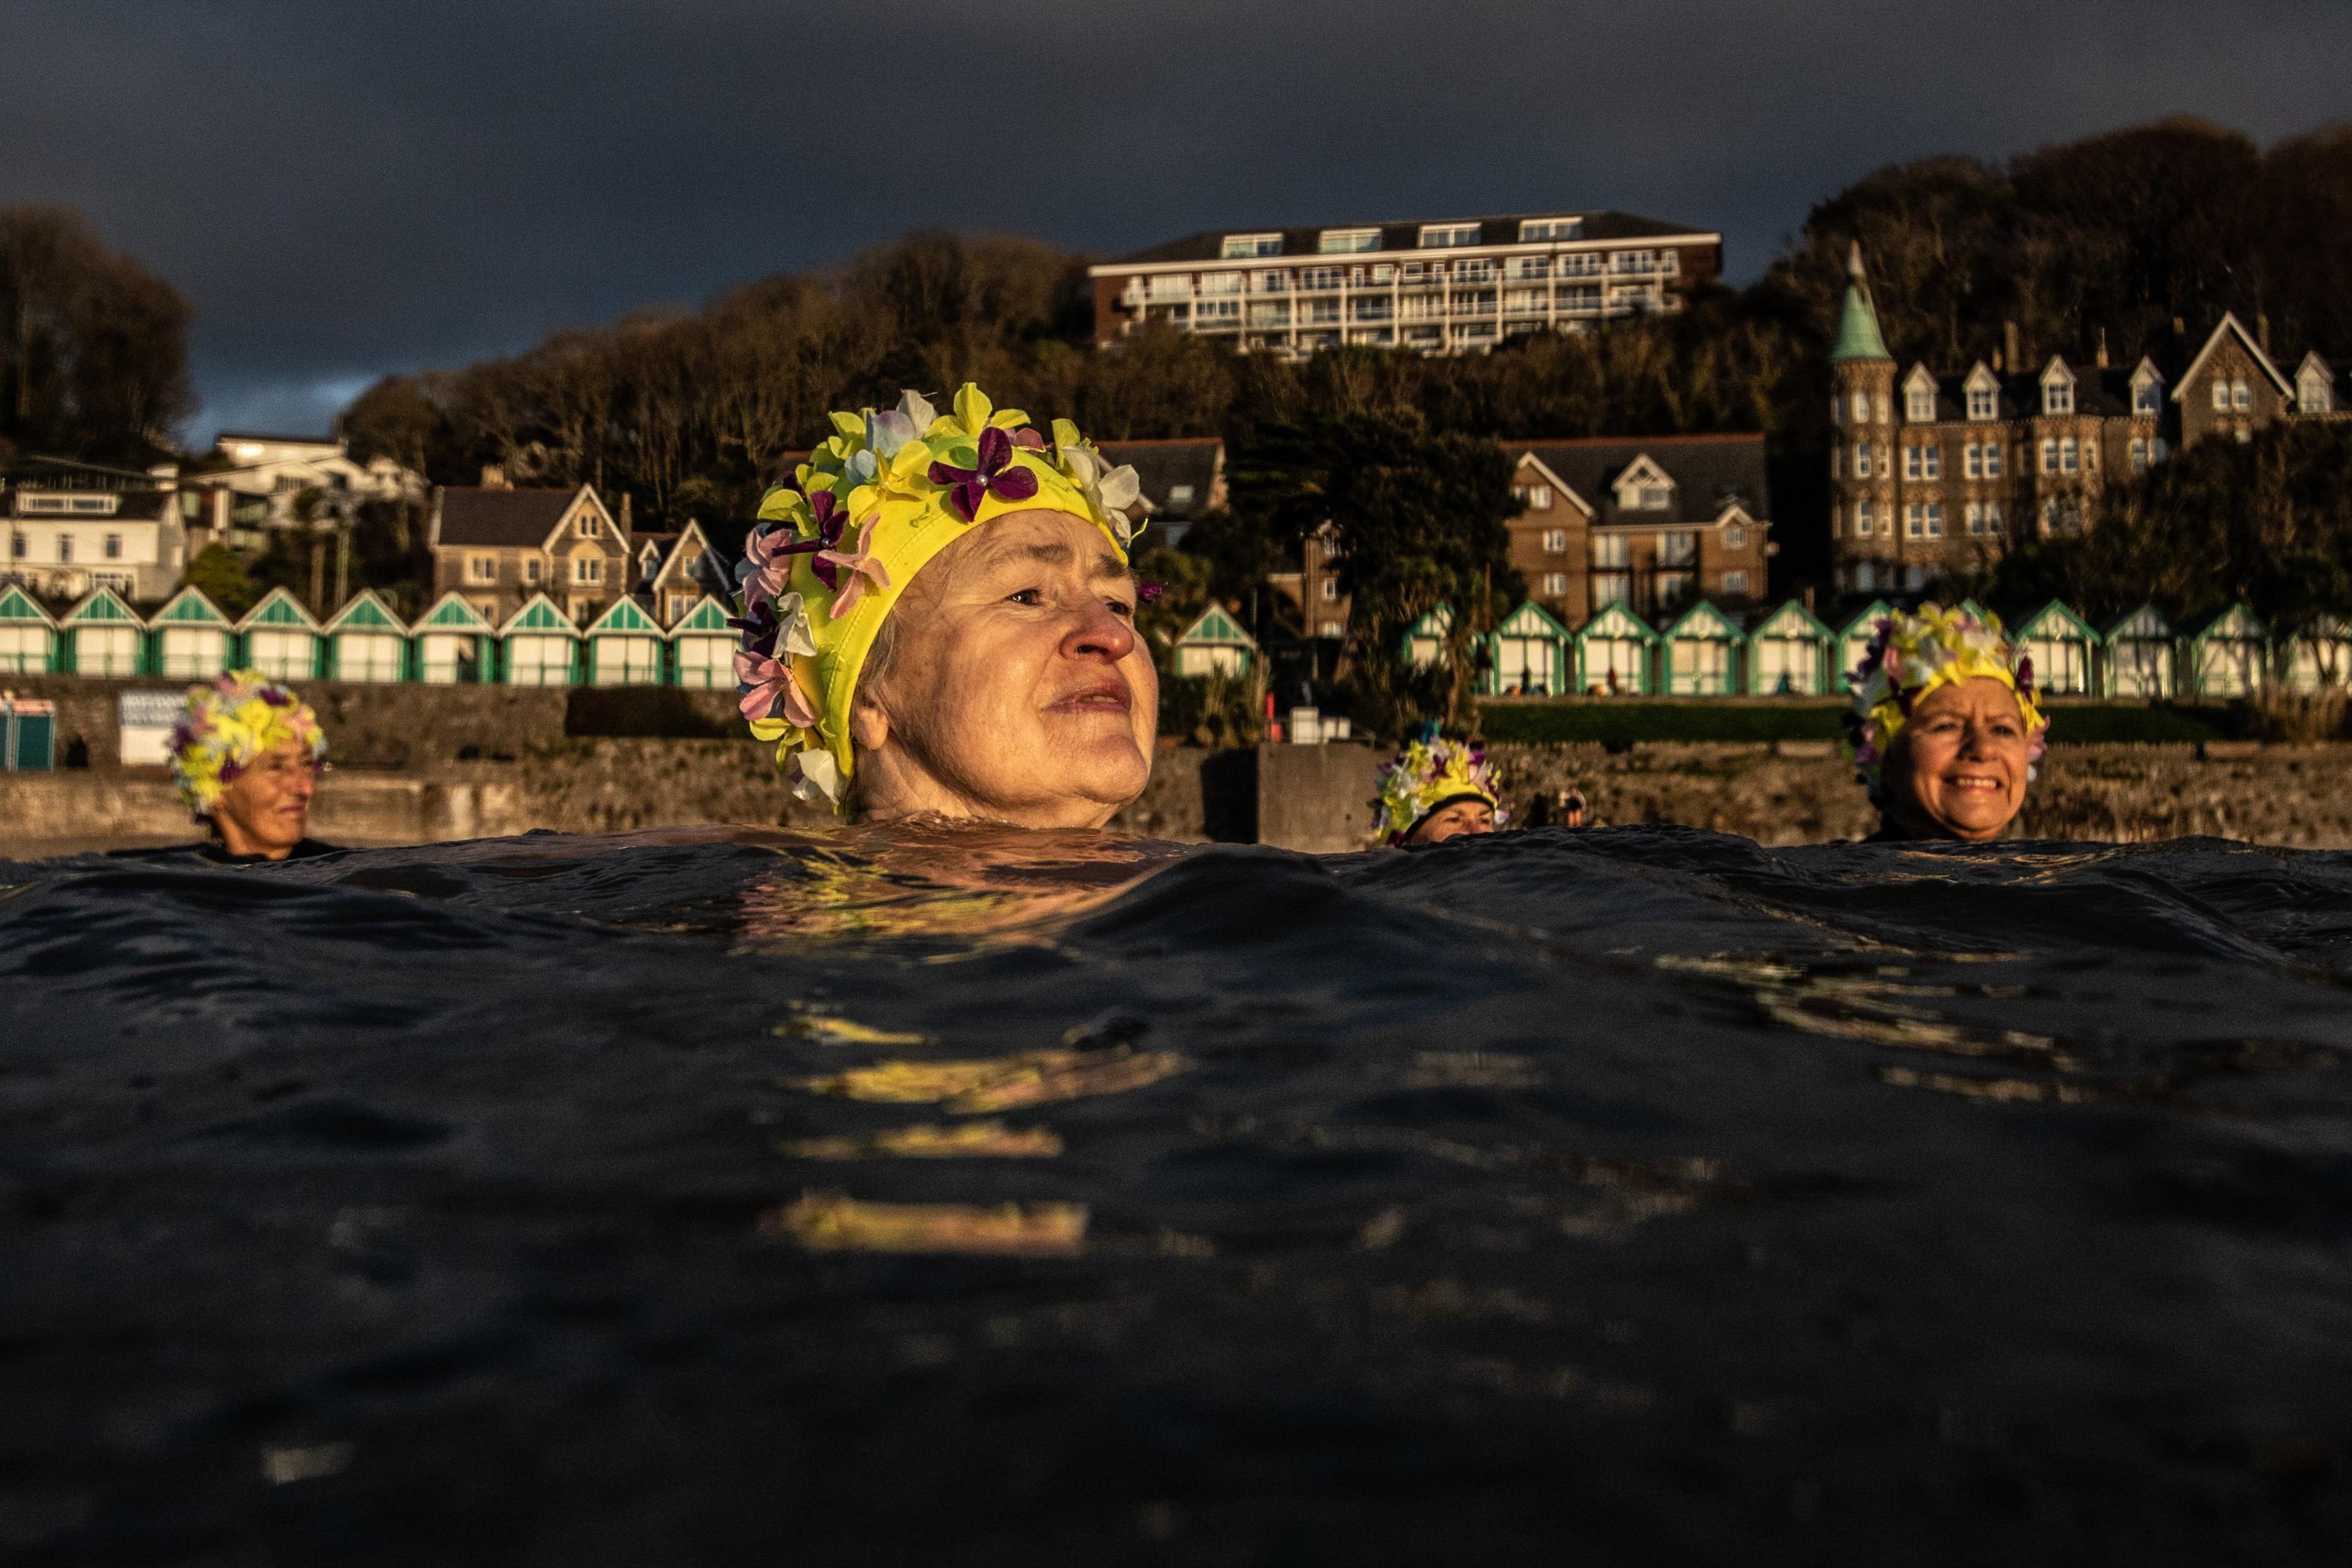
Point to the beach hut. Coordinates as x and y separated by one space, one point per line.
1530 655
539 644
1614 651
1788 653
1703 648
2063 647
281 639
28 637
1854 641
1424 640
625 646
2318 655
102 636
454 642
2139 654
702 646
1215 644
193 641
365 641
2229 655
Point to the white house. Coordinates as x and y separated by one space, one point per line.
277 470
69 542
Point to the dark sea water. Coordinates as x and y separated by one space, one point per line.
1636 1196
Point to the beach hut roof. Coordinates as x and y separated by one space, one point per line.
1791 620
189 607
365 611
538 613
1615 621
2234 623
1216 627
2038 624
278 609
2144 624
103 606
707 615
1866 620
17 607
1704 621
1532 620
623 616
452 613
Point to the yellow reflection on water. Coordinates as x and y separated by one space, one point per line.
970 1139
834 1222
1002 1083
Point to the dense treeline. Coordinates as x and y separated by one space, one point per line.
94 364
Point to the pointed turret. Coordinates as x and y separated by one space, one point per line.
1858 337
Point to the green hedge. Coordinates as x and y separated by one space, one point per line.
1623 723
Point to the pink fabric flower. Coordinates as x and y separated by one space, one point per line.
859 567
770 681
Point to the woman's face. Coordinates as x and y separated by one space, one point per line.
1456 820
1017 689
1957 769
266 809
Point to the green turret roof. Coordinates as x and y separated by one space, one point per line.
1858 336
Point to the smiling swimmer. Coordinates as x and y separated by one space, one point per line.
1944 726
1436 789
246 754
939 621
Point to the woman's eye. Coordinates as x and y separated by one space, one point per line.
1120 607
1030 596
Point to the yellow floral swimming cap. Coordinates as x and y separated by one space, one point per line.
1428 774
837 547
226 725
1910 656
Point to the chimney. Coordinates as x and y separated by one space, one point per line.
2103 347
2263 330
2009 345
2180 327
1809 598
165 475
494 477
628 527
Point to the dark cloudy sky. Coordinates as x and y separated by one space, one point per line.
345 189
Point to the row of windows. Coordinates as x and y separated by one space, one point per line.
1984 402
20 547
1172 286
1433 237
586 570
1921 520
87 503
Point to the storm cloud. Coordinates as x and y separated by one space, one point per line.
344 191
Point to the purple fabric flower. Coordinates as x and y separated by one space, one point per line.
996 475
1148 592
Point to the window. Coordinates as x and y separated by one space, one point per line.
1555 541
1865 519
1935 519
1992 460
114 547
1862 409
1612 588
1885 416
2058 397
2312 394
1330 590
1972 460
2156 451
1555 584
584 526
1180 495
2221 395
1633 263
1735 538
1331 628
1171 285
1221 282
587 569
1862 459
2139 456
1679 548
1275 281
1347 241
1837 409
1735 581
1652 498
2148 399
1982 401
1239 246
1922 409
1539 498
1913 526
1532 229
529 568
1447 236
1612 551
1837 462
1976 518
2050 456
2241 396
1933 458
1321 277
481 568
17 546
2070 456
1528 268
1910 462
118 581
1217 313
65 549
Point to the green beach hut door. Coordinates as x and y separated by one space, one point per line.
1527 654
28 637
704 647
1615 647
104 636
193 636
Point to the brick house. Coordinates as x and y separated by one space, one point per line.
1444 286
496 547
1652 523
1179 478
1931 473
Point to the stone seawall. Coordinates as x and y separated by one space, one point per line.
1792 794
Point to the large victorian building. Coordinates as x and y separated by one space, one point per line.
1932 472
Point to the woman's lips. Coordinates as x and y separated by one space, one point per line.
1107 695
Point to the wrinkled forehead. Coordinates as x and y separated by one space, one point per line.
1979 694
1029 539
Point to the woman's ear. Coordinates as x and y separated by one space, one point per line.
870 725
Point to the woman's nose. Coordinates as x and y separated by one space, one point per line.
1099 634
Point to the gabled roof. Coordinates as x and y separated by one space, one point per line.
1617 621
1433 623
1864 623
365 611
503 519
105 606
1791 620
2235 624
452 613
2231 327
538 613
707 616
1532 620
1527 458
2071 624
1207 245
17 607
1163 467
1709 473
278 609
675 561
1216 627
189 607
1704 620
2140 625
2321 627
623 616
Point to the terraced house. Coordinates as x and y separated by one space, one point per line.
1443 286
1933 471
496 548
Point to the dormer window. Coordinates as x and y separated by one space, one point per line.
1447 236
1242 247
2058 397
2148 392
1551 228
2312 393
1983 394
1922 407
1347 241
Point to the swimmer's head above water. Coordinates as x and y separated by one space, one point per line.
246 756
1436 789
940 620
1945 728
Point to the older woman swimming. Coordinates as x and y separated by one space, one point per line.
939 621
1944 725
1436 789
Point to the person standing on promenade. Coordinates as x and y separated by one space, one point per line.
1436 789
246 754
939 622
1945 728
